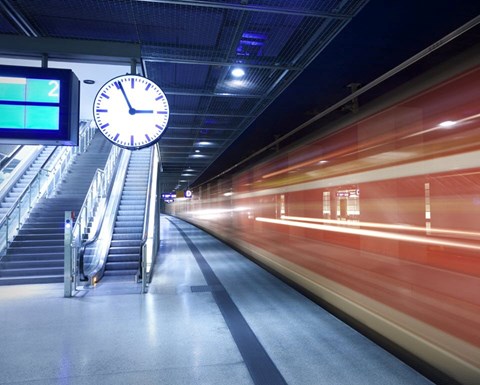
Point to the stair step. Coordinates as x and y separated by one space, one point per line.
40 231
30 264
125 243
124 250
26 272
35 249
120 272
31 280
132 224
122 266
16 243
133 217
33 257
125 236
123 258
59 237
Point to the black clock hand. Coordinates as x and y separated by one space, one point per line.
144 111
120 87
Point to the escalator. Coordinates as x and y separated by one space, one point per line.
124 254
36 254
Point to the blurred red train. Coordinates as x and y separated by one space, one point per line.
379 216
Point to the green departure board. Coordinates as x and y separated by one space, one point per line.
29 103
38 106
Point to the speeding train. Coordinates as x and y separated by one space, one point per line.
378 215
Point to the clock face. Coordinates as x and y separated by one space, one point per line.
131 111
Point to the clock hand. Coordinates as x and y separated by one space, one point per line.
120 87
144 111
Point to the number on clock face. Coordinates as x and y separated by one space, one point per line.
131 111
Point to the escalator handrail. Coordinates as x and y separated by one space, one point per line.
123 156
146 218
113 159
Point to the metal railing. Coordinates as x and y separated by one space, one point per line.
42 185
150 239
16 166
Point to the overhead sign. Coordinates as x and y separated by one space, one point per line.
38 106
168 197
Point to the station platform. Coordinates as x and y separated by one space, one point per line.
211 316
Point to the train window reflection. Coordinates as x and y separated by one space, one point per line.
348 205
326 204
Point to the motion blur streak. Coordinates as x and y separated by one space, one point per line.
446 232
371 233
379 215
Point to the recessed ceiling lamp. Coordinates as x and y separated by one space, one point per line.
89 81
238 72
204 143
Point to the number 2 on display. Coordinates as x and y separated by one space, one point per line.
55 88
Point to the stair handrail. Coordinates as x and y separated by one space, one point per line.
94 204
4 161
28 154
149 244
87 130
33 191
39 186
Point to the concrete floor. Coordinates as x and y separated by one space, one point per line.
182 332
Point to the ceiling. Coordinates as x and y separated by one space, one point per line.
189 48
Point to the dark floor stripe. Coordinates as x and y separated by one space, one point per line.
258 362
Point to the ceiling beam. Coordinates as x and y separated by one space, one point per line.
166 136
244 6
19 21
201 128
185 92
70 49
210 114
160 58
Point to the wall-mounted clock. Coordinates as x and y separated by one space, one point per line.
131 111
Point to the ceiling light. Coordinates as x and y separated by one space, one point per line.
238 72
197 151
204 143
89 81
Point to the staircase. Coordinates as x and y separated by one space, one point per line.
12 196
36 255
124 254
